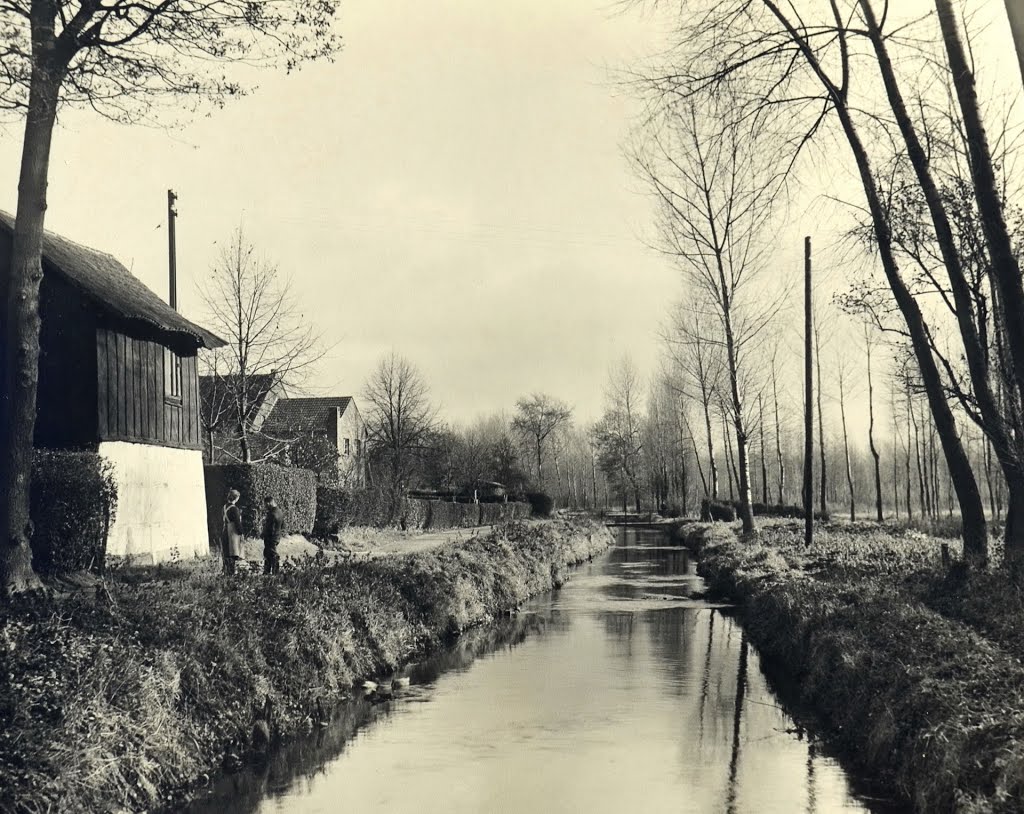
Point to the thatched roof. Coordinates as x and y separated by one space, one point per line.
112 287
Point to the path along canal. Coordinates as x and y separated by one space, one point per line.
618 693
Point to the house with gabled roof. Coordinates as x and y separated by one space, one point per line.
332 420
219 395
118 374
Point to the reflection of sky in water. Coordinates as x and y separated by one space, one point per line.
616 694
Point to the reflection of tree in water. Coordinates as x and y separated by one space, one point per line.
737 717
308 756
305 757
502 634
705 678
671 633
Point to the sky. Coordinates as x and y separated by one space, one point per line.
453 188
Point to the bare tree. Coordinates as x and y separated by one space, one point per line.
401 421
619 433
253 307
536 418
695 351
118 58
716 182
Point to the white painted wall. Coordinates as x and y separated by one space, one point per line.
161 501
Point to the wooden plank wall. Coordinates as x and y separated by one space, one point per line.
134 400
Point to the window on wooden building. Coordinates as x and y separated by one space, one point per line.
172 375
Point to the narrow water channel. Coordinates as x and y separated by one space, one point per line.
618 693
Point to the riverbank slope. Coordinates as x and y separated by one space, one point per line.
117 702
918 670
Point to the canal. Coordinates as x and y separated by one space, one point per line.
624 691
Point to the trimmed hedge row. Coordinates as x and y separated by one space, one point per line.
337 509
294 490
728 511
72 504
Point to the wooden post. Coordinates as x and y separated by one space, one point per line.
808 401
172 258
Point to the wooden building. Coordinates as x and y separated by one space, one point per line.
118 374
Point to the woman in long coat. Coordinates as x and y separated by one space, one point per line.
232 542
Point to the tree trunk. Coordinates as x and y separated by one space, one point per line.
1015 15
712 466
764 465
968 495
743 453
895 456
730 467
21 315
871 433
846 447
823 479
808 490
907 472
1004 267
778 439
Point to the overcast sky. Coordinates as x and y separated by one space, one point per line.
452 187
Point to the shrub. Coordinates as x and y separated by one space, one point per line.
72 504
541 503
717 510
293 489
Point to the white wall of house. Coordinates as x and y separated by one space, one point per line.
161 502
352 456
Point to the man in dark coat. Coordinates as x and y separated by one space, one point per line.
273 525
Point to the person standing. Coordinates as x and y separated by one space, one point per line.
232 540
273 525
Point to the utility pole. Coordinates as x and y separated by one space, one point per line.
808 401
172 216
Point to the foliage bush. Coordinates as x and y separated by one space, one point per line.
112 706
780 510
717 510
541 503
294 490
72 504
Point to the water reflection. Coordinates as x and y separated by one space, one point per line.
621 692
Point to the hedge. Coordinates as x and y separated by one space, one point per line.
444 515
338 508
293 489
72 503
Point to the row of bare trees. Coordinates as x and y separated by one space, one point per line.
936 209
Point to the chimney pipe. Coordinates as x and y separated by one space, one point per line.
172 215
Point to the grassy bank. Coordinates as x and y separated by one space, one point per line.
918 671
117 703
